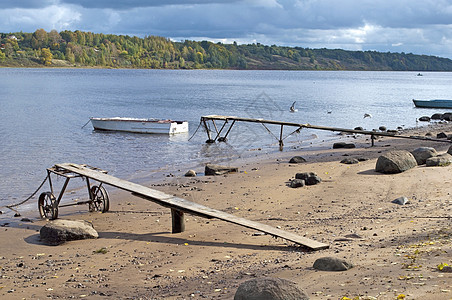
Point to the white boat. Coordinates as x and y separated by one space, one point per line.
140 125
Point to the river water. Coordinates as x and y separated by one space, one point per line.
42 112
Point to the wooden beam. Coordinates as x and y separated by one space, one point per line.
366 132
186 206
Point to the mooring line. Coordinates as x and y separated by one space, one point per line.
22 202
195 131
86 124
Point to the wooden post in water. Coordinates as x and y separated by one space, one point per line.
281 143
178 221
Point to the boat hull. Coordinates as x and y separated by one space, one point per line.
439 103
149 126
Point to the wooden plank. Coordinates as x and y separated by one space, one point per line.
188 206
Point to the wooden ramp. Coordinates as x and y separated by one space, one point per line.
298 126
179 205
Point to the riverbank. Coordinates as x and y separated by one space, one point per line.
395 249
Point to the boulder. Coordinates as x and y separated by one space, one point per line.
382 128
358 128
424 119
449 150
441 160
190 173
340 145
309 178
446 116
269 289
304 175
395 162
211 169
423 153
349 161
59 231
332 264
436 116
297 160
441 135
296 183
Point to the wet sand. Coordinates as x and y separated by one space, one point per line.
395 248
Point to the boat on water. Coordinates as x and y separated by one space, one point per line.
435 103
137 125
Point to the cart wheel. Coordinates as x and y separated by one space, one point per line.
100 201
47 205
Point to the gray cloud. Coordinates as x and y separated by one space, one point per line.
423 27
130 4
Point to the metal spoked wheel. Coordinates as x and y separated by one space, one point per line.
47 205
100 201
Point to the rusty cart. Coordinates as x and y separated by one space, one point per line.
48 204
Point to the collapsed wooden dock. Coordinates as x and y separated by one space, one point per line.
229 121
180 206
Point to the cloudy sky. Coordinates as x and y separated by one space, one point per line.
419 27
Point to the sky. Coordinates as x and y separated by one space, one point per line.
418 27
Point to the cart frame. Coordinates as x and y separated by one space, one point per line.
48 205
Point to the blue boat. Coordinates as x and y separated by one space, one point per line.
436 103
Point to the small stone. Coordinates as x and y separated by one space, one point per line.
349 161
190 173
297 160
296 183
332 264
401 200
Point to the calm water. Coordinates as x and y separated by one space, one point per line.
42 112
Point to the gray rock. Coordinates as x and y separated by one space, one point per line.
441 160
332 264
211 169
190 173
436 116
309 178
59 231
296 183
269 289
340 145
395 162
304 175
423 153
449 150
349 161
446 116
401 200
382 128
441 135
312 180
297 160
424 119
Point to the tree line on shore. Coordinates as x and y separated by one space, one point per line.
87 49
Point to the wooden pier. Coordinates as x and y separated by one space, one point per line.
180 206
229 121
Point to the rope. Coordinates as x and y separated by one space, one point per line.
22 202
85 124
195 131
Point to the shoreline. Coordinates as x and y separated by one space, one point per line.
395 249
315 148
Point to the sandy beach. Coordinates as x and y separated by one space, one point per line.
395 249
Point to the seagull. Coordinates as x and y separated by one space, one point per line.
292 108
367 116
